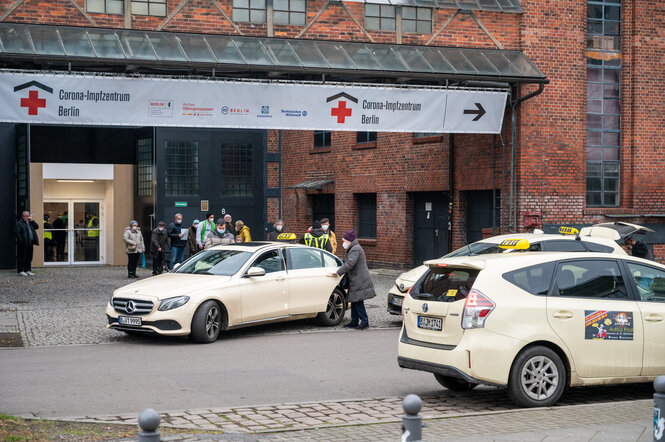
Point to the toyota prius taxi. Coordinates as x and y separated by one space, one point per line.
232 286
536 322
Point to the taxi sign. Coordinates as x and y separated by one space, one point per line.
568 230
518 244
286 237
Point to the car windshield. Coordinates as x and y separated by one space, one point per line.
215 262
477 248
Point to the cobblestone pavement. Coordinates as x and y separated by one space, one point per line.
65 306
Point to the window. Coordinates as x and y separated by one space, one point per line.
365 137
533 279
416 19
270 262
289 12
149 7
595 247
215 262
564 245
144 166
366 215
650 282
105 6
304 258
331 261
426 134
253 11
379 17
590 279
322 138
237 170
603 102
181 176
447 285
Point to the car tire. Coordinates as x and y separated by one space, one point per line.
454 384
207 322
537 378
335 309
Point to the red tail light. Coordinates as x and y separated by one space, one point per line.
476 309
405 295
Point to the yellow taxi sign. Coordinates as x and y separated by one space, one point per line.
286 237
568 230
518 244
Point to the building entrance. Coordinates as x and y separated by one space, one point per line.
430 225
73 232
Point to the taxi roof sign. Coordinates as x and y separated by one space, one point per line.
286 237
517 244
568 230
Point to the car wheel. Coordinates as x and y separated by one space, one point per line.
334 309
454 384
207 322
537 378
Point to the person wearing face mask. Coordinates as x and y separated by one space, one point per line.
205 226
134 246
177 239
278 228
316 237
158 242
360 283
325 226
219 236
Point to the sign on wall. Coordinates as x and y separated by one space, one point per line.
120 101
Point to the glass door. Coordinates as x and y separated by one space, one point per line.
56 232
72 232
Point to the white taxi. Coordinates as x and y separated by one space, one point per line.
536 323
232 286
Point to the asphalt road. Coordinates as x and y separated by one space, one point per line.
62 381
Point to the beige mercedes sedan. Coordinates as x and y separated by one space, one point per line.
229 287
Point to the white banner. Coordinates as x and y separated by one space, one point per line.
124 101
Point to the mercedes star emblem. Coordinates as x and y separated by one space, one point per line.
130 307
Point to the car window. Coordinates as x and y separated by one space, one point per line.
590 279
331 261
304 258
477 248
595 247
533 279
563 245
215 262
270 262
446 284
650 282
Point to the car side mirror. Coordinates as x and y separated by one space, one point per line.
256 271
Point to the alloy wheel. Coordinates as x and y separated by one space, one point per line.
540 377
335 306
212 322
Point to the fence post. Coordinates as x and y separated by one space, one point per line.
659 409
148 424
412 423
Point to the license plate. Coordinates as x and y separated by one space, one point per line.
430 323
397 300
127 320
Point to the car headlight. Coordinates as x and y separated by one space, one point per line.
171 303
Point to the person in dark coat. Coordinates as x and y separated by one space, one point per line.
177 239
278 229
191 238
317 237
360 283
26 238
158 242
639 248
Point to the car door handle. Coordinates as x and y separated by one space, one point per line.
653 318
280 279
562 315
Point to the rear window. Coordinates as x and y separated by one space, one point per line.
594 247
564 245
445 284
533 279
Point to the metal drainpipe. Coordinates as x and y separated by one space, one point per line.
451 188
512 222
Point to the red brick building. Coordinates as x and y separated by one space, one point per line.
584 149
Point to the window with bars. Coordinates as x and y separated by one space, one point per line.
144 166
181 175
379 17
237 172
322 138
365 137
149 7
105 6
289 12
253 11
416 19
366 215
603 119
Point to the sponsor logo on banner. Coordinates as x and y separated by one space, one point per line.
160 108
294 113
265 112
235 110
341 108
608 326
33 102
194 110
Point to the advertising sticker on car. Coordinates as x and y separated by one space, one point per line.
127 320
608 325
430 323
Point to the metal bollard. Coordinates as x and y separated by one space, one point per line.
659 409
148 424
412 422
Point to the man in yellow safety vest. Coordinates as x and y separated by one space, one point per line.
316 237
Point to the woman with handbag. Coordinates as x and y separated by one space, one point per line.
134 246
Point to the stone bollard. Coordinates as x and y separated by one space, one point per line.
148 424
659 409
412 422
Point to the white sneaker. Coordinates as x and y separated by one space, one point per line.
30 273
23 274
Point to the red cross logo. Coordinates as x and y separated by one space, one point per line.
33 102
341 111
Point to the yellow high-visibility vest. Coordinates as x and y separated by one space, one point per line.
92 233
319 243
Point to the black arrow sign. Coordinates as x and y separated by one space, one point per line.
479 113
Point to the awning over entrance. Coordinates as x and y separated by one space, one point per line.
313 184
141 51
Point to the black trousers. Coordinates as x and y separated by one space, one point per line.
157 263
23 258
132 261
